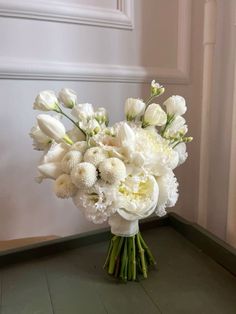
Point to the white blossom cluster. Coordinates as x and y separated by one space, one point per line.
120 173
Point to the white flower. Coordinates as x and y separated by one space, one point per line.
52 128
168 192
181 150
80 146
83 111
177 126
46 101
133 108
96 202
175 105
123 227
76 135
40 140
67 97
55 153
95 155
112 170
156 89
125 136
50 170
101 116
63 187
84 175
154 115
92 127
137 197
70 160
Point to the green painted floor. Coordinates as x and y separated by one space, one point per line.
186 281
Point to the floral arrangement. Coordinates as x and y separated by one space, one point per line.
121 173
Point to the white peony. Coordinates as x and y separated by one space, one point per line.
154 115
40 140
112 170
67 97
63 187
84 175
50 170
95 155
175 105
83 111
168 192
181 150
133 108
46 101
70 160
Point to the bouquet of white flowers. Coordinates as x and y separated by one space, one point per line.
120 173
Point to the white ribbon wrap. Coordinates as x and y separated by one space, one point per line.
122 227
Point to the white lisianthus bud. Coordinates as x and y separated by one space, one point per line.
84 175
63 187
53 128
101 116
70 160
175 105
181 150
133 108
68 98
156 89
95 155
112 170
93 127
80 146
46 101
50 170
83 111
154 115
40 140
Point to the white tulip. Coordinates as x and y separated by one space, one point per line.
52 128
40 140
68 98
83 111
154 115
46 101
50 170
133 108
175 105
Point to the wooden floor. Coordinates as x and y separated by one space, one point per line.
186 281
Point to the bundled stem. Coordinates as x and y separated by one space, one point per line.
127 257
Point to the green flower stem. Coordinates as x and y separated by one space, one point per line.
148 252
142 257
113 255
133 259
108 255
123 261
130 260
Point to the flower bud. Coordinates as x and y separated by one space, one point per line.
101 116
175 105
93 127
46 101
154 115
133 108
52 128
83 111
156 89
68 98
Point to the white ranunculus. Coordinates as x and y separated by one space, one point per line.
154 115
84 175
83 111
55 153
50 170
178 125
136 197
181 150
112 170
46 101
168 192
175 105
63 187
67 97
52 128
133 108
40 140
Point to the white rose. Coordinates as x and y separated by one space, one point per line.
50 170
83 111
63 187
133 108
181 150
175 105
40 140
154 115
46 101
52 128
68 98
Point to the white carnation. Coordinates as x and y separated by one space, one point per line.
70 160
112 170
84 175
80 146
181 150
63 187
168 192
95 155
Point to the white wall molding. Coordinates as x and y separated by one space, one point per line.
121 17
